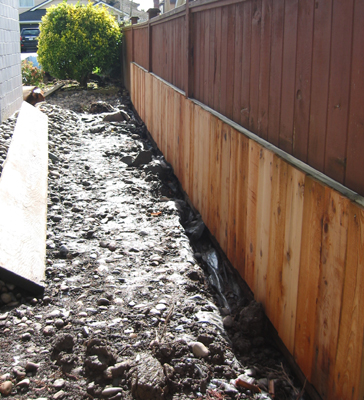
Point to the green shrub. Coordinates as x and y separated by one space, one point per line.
31 75
76 39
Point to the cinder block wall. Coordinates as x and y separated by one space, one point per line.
11 93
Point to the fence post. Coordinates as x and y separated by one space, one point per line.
189 67
132 44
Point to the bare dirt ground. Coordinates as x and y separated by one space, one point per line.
138 303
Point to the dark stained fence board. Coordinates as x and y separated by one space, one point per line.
339 89
354 156
288 75
303 79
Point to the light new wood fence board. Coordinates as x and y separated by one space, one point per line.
214 176
291 255
333 258
204 162
194 158
348 373
23 202
188 131
253 172
157 111
231 246
309 275
225 185
275 289
169 133
164 120
264 191
148 102
176 132
241 195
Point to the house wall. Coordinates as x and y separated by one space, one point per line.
11 94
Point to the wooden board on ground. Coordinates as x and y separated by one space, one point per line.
23 202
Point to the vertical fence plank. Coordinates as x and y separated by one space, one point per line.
264 191
230 87
333 257
348 375
355 161
320 84
176 132
238 60
275 79
211 72
338 104
245 72
291 255
217 61
241 201
255 60
224 60
264 65
309 275
204 136
225 184
231 245
288 75
206 57
196 54
253 173
303 79
215 176
276 241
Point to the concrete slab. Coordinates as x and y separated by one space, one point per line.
23 202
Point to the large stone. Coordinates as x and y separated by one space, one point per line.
148 379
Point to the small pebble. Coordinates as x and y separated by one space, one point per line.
59 383
199 349
6 388
48 331
31 366
24 383
111 391
59 395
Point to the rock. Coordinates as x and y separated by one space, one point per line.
118 369
100 107
144 157
160 307
6 388
228 322
103 301
64 342
53 157
59 395
111 391
97 128
63 251
118 116
148 380
26 336
24 383
48 330
194 229
199 349
6 298
31 366
59 323
128 160
168 370
59 383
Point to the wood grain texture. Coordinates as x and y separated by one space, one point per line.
309 275
291 255
23 202
297 243
252 195
332 272
347 372
264 193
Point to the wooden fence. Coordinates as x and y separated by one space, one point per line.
298 243
290 71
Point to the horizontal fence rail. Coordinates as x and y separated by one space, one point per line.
290 71
298 243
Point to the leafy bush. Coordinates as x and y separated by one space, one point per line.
76 39
31 75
